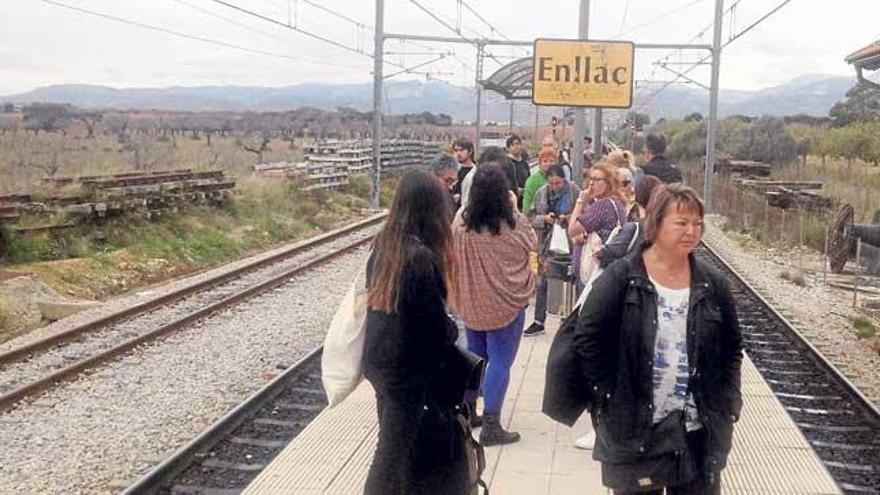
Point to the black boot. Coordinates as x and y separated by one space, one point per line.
492 432
474 419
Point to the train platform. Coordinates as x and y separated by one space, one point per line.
332 455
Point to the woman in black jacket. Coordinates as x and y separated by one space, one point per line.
659 347
411 280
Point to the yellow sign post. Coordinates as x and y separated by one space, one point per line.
580 73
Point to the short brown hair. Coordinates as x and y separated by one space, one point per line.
656 143
644 188
663 196
547 154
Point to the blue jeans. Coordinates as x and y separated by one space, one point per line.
498 347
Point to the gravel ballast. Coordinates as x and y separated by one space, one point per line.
820 313
99 433
93 342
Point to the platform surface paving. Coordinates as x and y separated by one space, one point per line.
332 455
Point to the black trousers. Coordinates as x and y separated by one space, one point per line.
705 483
419 451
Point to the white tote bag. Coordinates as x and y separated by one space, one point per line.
589 264
592 243
598 270
559 241
341 363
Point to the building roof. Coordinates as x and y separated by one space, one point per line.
867 58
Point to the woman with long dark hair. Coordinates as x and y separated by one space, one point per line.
492 245
411 278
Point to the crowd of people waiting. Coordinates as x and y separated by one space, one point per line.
652 351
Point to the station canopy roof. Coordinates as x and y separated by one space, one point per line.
513 81
867 58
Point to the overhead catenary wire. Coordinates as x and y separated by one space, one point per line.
724 45
231 21
448 26
657 19
491 27
295 28
623 20
180 34
308 33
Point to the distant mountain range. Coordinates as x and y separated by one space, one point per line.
812 95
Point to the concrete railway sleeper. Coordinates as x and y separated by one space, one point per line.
230 453
34 368
839 421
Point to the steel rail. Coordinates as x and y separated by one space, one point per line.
823 362
183 457
9 399
28 350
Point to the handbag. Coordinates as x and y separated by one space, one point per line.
592 243
461 373
597 270
341 361
589 263
559 241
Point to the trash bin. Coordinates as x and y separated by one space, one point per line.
560 286
559 268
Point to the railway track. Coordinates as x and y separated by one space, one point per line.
840 423
228 455
31 369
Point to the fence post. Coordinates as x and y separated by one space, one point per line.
856 271
825 256
782 228
766 218
800 240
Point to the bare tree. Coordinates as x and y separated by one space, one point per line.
258 150
118 123
90 120
8 123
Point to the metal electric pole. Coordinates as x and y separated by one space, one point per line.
511 116
712 127
597 134
580 118
378 50
479 85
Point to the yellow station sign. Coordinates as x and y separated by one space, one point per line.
579 73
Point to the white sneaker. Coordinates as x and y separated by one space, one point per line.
586 442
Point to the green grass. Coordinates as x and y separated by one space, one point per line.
796 278
4 317
865 328
125 252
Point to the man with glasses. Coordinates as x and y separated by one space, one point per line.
657 164
445 170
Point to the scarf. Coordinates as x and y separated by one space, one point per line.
559 202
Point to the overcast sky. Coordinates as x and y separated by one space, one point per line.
42 43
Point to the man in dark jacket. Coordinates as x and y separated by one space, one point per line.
518 169
657 164
445 170
463 150
618 389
